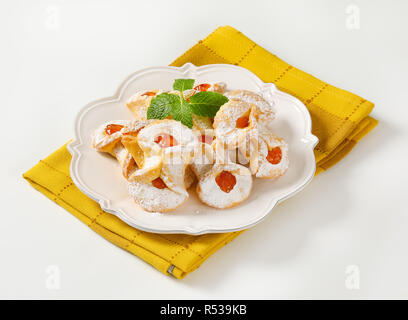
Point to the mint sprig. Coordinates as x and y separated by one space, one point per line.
207 103
203 103
183 84
161 106
182 113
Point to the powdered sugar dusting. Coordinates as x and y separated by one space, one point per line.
225 122
100 139
206 164
266 110
211 194
153 199
267 169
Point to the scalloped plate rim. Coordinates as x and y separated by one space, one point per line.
308 138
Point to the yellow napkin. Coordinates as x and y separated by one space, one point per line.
340 120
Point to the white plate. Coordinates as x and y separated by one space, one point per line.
99 176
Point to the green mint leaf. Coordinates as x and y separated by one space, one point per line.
183 84
161 106
182 113
207 103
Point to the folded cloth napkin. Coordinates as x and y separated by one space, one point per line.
340 120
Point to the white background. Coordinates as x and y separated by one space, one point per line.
57 56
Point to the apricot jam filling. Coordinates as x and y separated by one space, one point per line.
274 155
226 181
149 94
206 139
158 183
112 128
165 140
242 122
202 87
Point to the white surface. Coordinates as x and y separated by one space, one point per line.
353 214
98 176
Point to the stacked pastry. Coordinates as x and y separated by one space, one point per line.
161 159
